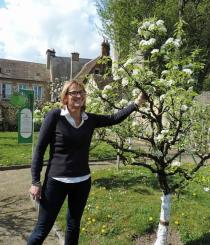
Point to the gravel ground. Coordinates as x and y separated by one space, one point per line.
17 212
17 215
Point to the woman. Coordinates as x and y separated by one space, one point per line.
68 131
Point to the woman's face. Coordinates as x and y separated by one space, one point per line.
75 96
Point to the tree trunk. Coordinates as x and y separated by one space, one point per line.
181 8
162 233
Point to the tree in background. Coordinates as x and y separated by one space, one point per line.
170 123
120 19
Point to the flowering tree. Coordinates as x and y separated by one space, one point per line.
55 90
170 122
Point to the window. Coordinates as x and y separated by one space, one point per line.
38 90
6 90
97 71
22 86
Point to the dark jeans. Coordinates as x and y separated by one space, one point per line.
53 195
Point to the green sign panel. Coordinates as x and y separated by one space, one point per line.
18 100
25 100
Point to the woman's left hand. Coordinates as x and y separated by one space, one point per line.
142 98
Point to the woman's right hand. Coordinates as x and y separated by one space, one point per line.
35 192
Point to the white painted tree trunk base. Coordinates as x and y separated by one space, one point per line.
162 233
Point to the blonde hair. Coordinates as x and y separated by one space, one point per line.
65 89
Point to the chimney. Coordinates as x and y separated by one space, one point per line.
75 56
49 53
75 67
105 48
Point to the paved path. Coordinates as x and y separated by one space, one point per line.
17 213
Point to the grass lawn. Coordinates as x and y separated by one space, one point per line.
125 204
12 153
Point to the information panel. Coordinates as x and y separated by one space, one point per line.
25 118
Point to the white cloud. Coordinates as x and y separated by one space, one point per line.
29 27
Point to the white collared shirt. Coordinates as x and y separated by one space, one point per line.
70 119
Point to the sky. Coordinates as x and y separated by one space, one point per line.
29 27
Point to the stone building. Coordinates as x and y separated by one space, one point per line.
16 75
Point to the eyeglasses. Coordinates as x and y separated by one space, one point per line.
75 93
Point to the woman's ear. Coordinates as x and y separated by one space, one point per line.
65 100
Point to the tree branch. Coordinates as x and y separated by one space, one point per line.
145 165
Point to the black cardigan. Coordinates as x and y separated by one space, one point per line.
69 146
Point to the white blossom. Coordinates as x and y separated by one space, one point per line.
164 72
159 138
170 82
176 164
159 22
135 92
170 40
129 61
190 81
135 123
188 71
162 97
152 27
156 50
106 91
184 108
124 82
123 102
164 131
149 42
177 43
175 67
135 72
163 29
105 96
206 189
146 25
37 111
107 87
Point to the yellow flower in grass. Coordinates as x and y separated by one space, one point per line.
93 220
103 231
194 194
176 222
83 229
104 226
150 218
